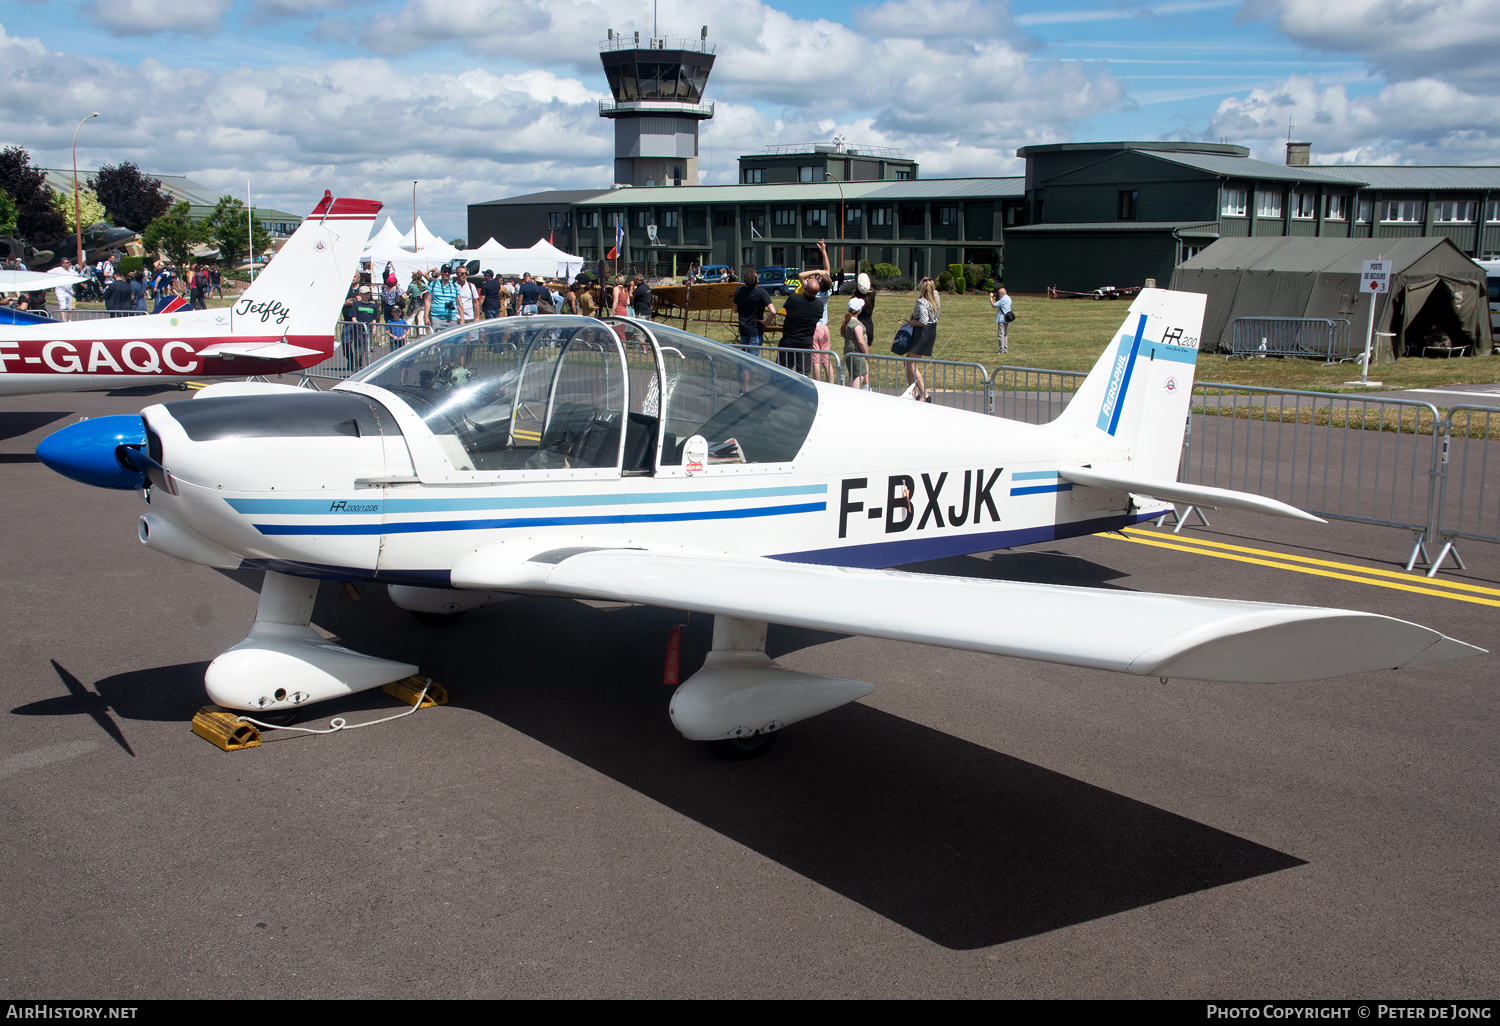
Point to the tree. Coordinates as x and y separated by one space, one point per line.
133 200
458 243
7 213
37 220
226 228
90 210
175 234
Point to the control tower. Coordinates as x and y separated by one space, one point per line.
658 101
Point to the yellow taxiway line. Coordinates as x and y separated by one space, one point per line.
1457 590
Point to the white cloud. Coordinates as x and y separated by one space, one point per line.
150 17
358 127
921 19
1453 40
1424 121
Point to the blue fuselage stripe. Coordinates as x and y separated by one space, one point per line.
1036 489
263 507
426 526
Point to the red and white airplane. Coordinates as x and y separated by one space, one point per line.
284 322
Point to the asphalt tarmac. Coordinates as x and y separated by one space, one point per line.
979 826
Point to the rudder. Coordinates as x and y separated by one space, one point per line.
1134 403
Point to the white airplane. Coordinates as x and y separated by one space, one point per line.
632 461
283 322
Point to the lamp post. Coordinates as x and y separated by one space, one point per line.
416 242
77 202
840 184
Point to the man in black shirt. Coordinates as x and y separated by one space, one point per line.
640 299
799 320
489 289
751 302
530 292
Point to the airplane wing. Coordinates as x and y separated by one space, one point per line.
35 281
257 350
1131 632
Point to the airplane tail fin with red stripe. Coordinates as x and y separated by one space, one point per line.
300 293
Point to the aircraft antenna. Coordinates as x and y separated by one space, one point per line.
250 228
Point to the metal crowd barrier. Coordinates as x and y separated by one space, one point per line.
1468 504
1032 395
90 315
1357 458
356 345
808 361
952 383
1322 338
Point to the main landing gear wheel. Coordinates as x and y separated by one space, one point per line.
437 619
738 749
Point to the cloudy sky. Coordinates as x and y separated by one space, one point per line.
479 99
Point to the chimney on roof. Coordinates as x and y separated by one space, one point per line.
1298 154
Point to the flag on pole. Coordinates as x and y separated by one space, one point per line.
614 254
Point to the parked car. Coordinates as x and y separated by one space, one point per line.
714 273
1107 292
774 279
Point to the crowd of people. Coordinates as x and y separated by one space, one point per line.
444 297
123 292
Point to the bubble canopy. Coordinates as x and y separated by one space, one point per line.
600 397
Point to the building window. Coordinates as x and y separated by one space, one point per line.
755 175
638 256
785 217
1364 210
1336 207
1268 204
723 219
677 174
747 255
589 252
809 174
1492 211
695 218
1305 204
1130 200
1234 202
666 218
1188 252
880 217
1454 211
642 218
616 219
1401 211
588 219
1013 215
853 216
755 224
948 215
557 220
778 256
913 217
816 217
902 176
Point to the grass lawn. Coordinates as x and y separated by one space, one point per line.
1069 334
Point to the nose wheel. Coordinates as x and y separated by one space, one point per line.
738 749
437 619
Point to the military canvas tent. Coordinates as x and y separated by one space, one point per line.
1436 292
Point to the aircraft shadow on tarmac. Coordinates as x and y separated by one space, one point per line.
14 424
963 845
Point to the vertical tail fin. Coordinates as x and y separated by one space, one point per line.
302 289
1134 403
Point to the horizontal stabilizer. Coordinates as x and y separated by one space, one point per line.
258 350
1131 632
1193 495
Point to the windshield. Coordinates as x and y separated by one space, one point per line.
533 393
749 410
